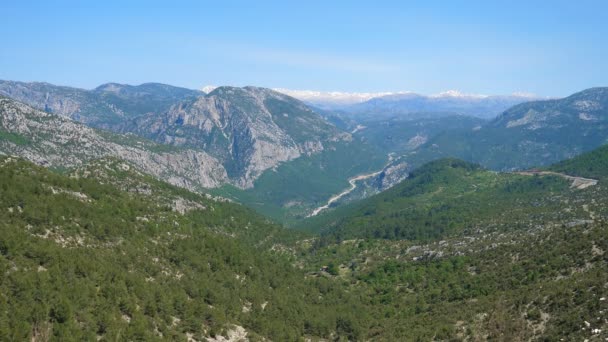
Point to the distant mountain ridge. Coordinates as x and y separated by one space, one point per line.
530 134
332 99
467 104
103 107
386 104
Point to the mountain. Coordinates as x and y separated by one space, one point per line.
400 135
454 102
331 100
406 103
57 142
102 107
248 129
530 134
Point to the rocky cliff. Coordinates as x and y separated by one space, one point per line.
248 129
58 142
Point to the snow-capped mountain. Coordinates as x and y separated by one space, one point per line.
334 99
452 101
408 101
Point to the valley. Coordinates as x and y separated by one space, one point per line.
194 222
213 171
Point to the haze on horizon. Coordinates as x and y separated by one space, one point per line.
545 48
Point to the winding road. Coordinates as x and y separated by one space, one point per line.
353 185
577 182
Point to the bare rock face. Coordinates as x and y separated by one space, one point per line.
249 129
54 141
392 175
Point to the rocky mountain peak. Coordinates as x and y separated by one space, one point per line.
249 129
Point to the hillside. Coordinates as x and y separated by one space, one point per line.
82 260
546 282
111 253
592 164
60 143
402 135
530 134
459 252
450 197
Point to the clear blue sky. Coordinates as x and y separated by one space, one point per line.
551 48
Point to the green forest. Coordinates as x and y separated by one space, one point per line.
105 252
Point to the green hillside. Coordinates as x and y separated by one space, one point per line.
82 261
593 164
106 252
443 198
457 252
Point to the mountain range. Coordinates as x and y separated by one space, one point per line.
530 134
102 107
124 216
389 104
273 152
249 130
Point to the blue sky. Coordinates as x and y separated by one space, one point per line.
551 48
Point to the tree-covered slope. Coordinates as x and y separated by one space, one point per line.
81 260
457 252
401 135
544 283
109 253
448 197
592 164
